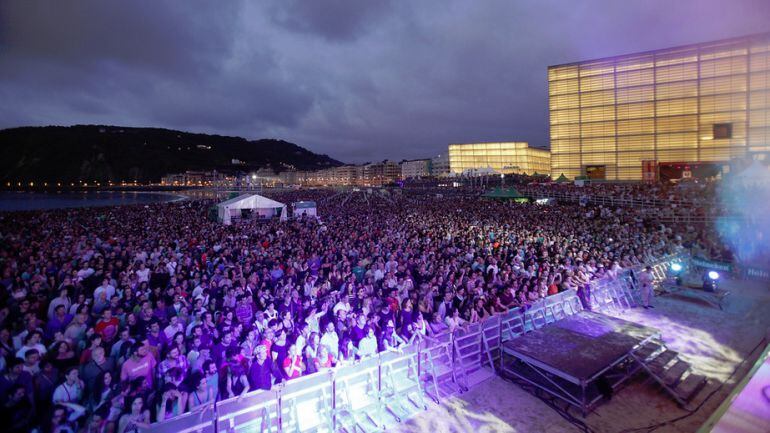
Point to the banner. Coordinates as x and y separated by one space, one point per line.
758 273
710 264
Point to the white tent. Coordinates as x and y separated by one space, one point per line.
261 207
307 208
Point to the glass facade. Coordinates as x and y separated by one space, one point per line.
707 102
513 157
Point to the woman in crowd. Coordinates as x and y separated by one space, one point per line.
137 417
201 394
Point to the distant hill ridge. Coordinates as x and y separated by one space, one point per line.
116 153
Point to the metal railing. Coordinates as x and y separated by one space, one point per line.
612 200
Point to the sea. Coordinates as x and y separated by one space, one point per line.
21 201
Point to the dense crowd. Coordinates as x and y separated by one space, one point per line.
114 318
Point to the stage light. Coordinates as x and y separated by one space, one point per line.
676 267
714 275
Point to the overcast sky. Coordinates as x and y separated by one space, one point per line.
358 80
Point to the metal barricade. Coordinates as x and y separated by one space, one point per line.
511 324
571 302
307 404
438 372
357 402
256 411
555 306
400 384
199 421
490 333
470 354
602 299
534 318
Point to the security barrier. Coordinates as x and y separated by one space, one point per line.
307 404
199 421
358 396
491 337
437 368
358 404
471 352
511 325
256 411
400 384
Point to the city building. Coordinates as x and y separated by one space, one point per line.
343 175
416 168
439 166
381 173
194 178
673 111
508 158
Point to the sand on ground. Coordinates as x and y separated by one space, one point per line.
715 342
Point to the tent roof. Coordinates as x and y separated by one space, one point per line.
251 201
234 200
304 204
562 178
503 193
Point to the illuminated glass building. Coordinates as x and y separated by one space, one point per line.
513 157
671 108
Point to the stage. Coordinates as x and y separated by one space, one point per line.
578 359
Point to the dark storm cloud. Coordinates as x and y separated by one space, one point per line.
334 20
361 81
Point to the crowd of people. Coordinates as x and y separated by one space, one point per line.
115 318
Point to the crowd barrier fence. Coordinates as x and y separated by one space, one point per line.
358 396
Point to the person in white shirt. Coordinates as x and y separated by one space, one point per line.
173 327
71 390
331 340
368 345
143 274
171 266
645 286
105 288
85 272
343 304
454 321
31 341
614 271
379 273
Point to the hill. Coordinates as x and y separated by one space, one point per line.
116 153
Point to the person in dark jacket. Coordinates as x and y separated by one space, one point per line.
262 371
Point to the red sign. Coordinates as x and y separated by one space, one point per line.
650 170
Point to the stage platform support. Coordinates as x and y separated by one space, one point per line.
599 360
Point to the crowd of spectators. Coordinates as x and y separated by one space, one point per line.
114 318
